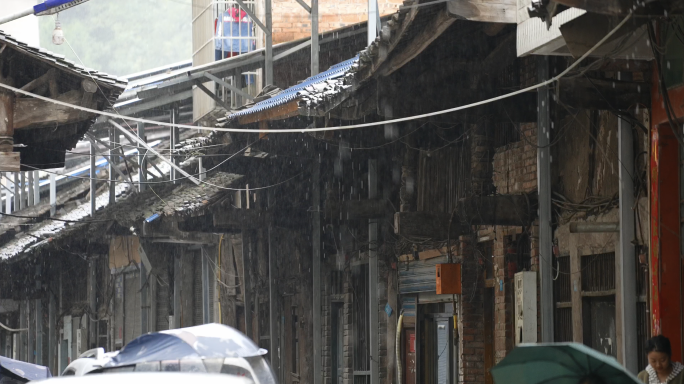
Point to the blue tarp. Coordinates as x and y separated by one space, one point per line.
203 341
22 371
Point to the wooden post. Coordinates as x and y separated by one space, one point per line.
316 269
9 160
576 289
142 161
246 282
373 276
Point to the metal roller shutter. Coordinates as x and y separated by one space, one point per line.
419 276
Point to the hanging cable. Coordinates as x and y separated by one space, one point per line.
334 128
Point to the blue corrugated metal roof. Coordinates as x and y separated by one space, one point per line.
293 92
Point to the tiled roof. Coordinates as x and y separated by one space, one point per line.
60 62
312 87
130 210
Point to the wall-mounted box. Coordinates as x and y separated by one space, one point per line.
448 279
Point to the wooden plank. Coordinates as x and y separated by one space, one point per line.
582 92
430 225
241 218
430 33
497 11
576 289
428 254
35 113
10 162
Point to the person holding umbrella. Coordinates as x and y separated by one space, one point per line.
661 369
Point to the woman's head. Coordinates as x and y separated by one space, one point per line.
659 352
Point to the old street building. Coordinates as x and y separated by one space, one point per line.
559 204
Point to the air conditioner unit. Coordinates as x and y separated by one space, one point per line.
525 307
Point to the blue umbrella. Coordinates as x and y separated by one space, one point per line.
23 371
200 342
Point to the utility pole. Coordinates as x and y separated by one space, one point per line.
544 191
627 252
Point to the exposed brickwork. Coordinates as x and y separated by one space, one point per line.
515 165
292 22
471 327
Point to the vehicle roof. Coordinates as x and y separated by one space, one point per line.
150 377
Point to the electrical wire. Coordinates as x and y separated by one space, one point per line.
335 128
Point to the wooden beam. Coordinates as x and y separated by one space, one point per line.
422 40
34 113
9 160
166 231
49 78
582 92
492 11
358 209
430 225
241 218
277 113
513 210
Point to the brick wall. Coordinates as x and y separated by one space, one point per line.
292 22
471 317
515 165
514 172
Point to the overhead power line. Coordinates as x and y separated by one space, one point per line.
336 128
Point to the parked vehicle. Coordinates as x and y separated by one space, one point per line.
150 377
209 348
16 372
88 362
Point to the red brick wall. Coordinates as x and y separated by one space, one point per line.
515 165
514 171
292 22
472 349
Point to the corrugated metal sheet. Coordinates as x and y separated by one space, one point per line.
292 93
419 276
443 352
